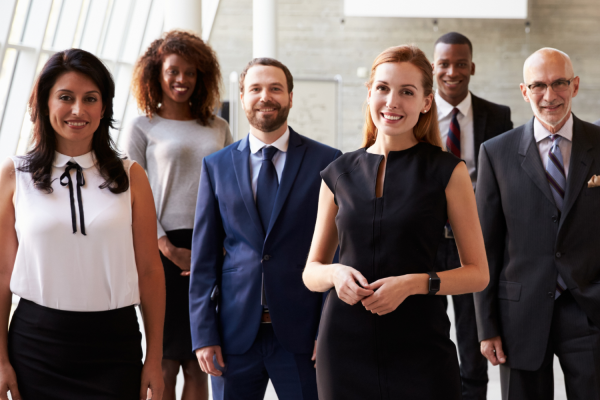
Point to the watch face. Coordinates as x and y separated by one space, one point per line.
434 285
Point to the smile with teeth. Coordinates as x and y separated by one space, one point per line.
452 82
76 123
180 89
266 109
391 117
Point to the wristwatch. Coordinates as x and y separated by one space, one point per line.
434 283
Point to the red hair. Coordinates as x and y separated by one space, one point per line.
426 129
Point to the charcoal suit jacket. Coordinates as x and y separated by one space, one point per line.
528 241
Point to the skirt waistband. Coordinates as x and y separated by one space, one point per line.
120 320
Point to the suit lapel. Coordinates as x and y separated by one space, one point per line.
579 166
241 164
293 161
532 163
479 121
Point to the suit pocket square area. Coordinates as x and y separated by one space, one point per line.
594 182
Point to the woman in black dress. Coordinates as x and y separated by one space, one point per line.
381 335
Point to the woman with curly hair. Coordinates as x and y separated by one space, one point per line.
176 84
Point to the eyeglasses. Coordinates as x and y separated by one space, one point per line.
557 86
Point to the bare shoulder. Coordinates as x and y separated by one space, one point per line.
7 177
7 170
460 179
136 172
138 181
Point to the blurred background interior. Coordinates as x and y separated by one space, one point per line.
327 44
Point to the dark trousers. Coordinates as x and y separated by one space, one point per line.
473 365
576 342
246 376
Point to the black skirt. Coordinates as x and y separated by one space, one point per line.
177 338
67 355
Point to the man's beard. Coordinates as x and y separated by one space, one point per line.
269 124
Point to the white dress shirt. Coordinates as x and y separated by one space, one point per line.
278 159
544 143
465 120
57 268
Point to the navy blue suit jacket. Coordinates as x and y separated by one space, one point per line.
227 219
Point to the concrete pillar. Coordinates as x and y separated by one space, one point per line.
183 14
264 28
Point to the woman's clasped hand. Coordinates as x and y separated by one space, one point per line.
380 297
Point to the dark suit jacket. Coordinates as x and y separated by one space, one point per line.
528 241
489 120
226 217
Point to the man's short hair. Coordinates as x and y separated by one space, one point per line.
268 62
455 38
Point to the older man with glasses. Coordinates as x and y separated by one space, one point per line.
538 197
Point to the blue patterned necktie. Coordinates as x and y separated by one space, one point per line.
266 192
555 172
267 186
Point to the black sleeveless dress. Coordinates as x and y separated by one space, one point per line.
406 354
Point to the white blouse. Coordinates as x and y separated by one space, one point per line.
63 270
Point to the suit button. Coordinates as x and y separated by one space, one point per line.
267 257
554 219
551 295
558 255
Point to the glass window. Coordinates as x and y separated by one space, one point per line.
67 24
92 31
113 41
6 74
52 24
116 31
19 20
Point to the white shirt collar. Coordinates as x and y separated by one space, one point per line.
281 143
85 161
444 108
540 132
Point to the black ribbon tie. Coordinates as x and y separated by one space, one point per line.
80 183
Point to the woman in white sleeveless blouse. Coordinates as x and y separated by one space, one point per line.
78 234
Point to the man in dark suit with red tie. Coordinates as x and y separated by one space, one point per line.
465 121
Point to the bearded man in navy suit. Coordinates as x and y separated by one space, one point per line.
252 318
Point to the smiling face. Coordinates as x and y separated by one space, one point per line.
453 67
265 98
397 98
178 79
547 66
75 110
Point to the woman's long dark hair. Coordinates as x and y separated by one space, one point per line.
39 160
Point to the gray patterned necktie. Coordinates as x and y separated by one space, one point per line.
555 173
